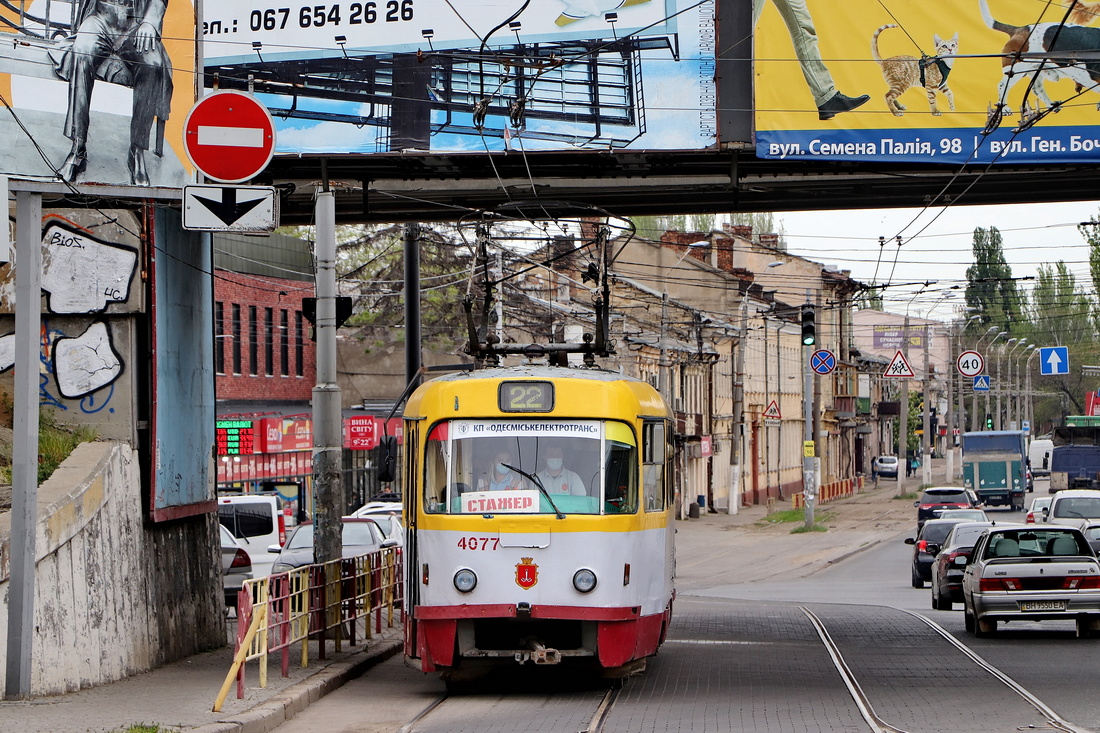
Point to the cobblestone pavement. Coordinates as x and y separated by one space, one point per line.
715 549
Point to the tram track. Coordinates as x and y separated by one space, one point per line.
1055 720
862 701
879 724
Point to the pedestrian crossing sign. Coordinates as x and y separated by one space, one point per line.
899 367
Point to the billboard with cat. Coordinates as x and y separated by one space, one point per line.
416 76
981 81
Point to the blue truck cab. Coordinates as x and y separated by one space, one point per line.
995 465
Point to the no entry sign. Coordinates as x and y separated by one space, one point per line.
229 136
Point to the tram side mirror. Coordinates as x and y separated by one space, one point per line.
387 463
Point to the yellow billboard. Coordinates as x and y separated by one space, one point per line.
977 81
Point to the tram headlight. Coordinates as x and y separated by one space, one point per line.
584 580
465 580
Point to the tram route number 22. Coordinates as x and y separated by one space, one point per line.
478 543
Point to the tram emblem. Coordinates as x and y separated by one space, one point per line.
527 573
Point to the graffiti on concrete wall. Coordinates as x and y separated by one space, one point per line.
81 275
85 363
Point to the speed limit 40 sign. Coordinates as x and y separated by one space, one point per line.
970 364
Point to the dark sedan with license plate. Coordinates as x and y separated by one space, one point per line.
925 546
938 498
950 561
1033 573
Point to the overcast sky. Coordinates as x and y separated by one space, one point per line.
1032 235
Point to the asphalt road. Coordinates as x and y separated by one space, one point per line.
835 651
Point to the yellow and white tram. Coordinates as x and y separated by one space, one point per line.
539 512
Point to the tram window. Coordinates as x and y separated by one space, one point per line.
586 467
621 495
435 470
653 466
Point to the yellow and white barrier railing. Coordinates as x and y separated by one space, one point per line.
283 611
828 492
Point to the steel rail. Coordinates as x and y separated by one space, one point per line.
1053 718
876 723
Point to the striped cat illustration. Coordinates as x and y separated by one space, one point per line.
929 72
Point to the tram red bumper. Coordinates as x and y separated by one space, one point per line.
622 634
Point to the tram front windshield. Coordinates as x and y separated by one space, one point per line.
530 467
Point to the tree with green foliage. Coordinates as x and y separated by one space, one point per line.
991 291
1061 314
370 266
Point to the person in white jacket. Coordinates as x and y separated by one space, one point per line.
556 478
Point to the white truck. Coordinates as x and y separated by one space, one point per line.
1038 455
1074 507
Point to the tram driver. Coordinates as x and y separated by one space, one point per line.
556 478
500 477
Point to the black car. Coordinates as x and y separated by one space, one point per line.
950 561
943 497
925 546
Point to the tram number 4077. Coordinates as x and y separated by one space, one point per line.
478 543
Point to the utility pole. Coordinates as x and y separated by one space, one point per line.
328 444
809 452
738 407
24 469
903 413
952 383
412 305
926 459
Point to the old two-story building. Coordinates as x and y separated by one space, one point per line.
713 321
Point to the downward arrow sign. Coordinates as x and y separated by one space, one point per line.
229 210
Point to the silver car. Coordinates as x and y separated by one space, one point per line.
236 566
1033 573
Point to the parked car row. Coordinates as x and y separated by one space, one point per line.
255 541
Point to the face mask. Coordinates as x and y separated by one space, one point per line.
553 463
502 470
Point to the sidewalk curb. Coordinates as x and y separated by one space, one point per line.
273 712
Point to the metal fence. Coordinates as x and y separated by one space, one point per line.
284 611
828 492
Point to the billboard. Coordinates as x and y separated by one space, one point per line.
103 106
925 82
887 338
354 76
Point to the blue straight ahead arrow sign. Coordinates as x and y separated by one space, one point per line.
1054 360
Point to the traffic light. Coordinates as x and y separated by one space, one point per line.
809 328
988 422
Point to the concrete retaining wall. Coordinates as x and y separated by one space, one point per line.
114 594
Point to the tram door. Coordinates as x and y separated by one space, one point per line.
411 497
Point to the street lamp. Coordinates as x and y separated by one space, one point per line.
974 423
1004 388
991 352
999 386
1016 395
1030 401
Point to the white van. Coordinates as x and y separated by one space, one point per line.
256 522
1038 452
